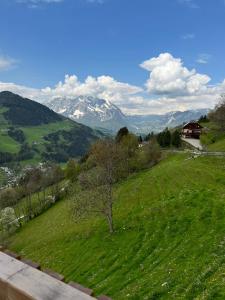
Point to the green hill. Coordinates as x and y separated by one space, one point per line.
169 241
31 132
213 139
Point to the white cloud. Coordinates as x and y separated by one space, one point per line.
104 87
171 87
7 63
24 91
203 58
168 76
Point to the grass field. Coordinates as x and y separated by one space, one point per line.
33 134
169 241
217 146
213 139
36 133
8 144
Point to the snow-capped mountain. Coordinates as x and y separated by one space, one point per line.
94 112
99 113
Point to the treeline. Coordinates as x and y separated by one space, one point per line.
166 138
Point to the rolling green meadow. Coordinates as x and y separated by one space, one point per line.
169 238
213 139
31 133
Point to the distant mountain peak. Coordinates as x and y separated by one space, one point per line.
91 111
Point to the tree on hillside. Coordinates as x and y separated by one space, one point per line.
152 152
176 139
121 133
96 195
218 114
130 144
72 170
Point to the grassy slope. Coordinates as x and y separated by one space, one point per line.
34 135
169 241
7 143
217 146
213 139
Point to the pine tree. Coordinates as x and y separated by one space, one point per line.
176 139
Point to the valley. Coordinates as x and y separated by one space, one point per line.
168 239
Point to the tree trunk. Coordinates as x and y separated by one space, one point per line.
110 220
110 206
110 223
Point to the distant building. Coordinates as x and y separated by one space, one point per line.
192 130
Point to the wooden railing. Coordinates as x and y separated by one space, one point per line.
22 280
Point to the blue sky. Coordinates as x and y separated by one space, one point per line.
43 40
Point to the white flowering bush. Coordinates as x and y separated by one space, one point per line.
8 220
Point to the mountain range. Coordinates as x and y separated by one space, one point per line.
31 132
91 111
104 115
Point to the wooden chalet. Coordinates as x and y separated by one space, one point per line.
192 130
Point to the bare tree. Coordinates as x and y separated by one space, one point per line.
93 197
96 195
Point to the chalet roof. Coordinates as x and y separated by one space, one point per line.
192 123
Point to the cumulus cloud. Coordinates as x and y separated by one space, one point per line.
27 92
7 63
168 76
171 87
104 87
